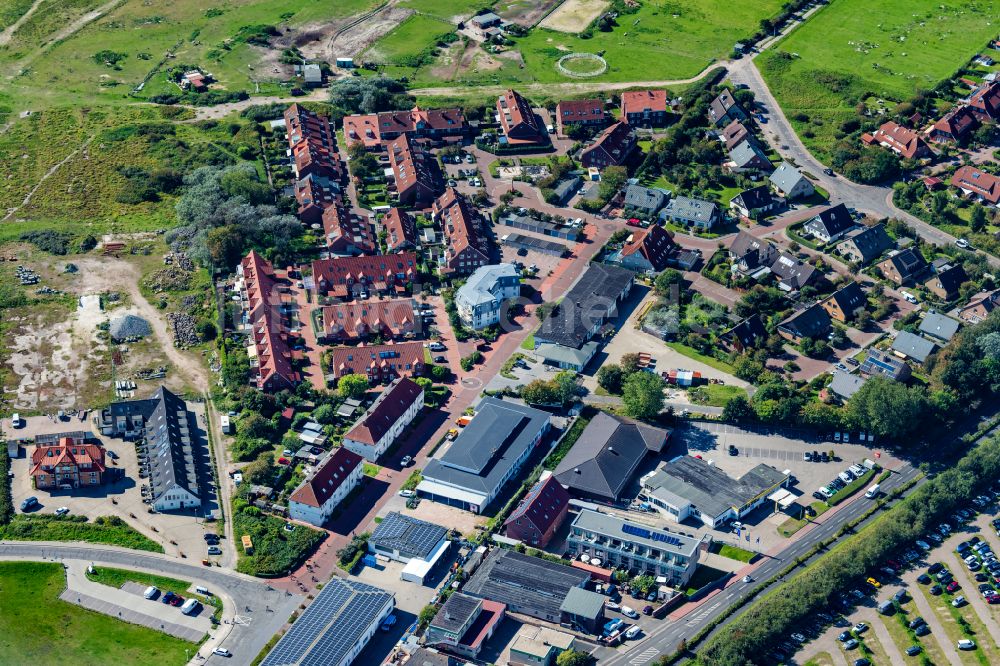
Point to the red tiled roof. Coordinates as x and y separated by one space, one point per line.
542 505
654 243
956 123
400 229
386 411
350 321
902 140
345 232
983 184
268 335
313 194
986 101
373 129
316 490
611 148
414 170
519 122
734 133
337 275
403 359
82 457
312 143
463 231
580 111
641 101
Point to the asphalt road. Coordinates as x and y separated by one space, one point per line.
876 200
664 639
261 611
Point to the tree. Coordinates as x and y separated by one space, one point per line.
610 378
612 180
573 658
541 392
325 414
439 373
977 218
664 283
260 471
427 614
642 394
889 409
255 426
738 408
629 363
368 95
644 583
352 386
225 245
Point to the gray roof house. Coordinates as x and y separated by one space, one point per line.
747 156
913 346
402 537
566 188
480 299
844 384
646 199
528 585
604 458
694 487
830 224
865 245
938 326
487 454
692 212
791 273
790 183
753 201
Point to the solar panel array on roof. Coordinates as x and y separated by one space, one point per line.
329 629
410 536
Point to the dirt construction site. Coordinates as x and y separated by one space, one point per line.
573 16
350 36
60 359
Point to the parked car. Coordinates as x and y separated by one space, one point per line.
627 611
647 610
168 597
406 493
62 511
633 633
405 460
958 601
222 652
388 622
860 628
29 503
916 622
913 650
214 550
966 644
850 644
151 592
922 630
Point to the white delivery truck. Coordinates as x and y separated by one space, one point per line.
873 491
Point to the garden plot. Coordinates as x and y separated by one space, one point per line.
573 16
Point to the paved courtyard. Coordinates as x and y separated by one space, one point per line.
178 532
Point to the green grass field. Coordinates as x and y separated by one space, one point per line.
407 40
843 54
201 34
104 529
36 627
448 10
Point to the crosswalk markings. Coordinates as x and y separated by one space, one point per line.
645 656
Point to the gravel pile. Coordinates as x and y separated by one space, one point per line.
129 327
183 327
169 279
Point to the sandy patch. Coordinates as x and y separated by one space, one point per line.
525 12
574 15
350 36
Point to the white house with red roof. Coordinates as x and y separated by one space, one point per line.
316 498
386 420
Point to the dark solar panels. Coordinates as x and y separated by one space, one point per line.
634 530
411 537
331 626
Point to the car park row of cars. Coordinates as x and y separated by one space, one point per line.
937 576
841 481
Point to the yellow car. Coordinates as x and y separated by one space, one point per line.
874 583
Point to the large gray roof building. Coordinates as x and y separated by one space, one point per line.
690 487
604 458
486 455
403 537
587 305
913 346
528 585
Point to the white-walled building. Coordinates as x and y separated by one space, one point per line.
481 298
387 419
316 498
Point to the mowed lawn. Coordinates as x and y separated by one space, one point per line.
196 32
449 10
38 628
663 40
845 51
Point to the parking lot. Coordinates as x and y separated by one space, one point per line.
178 532
934 602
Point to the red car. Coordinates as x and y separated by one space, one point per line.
284 461
993 598
177 600
953 585
633 222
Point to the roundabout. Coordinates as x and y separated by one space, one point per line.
581 65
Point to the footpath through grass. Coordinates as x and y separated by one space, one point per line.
38 628
109 530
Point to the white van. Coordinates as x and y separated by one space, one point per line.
202 591
16 422
190 606
908 296
150 592
873 491
845 477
